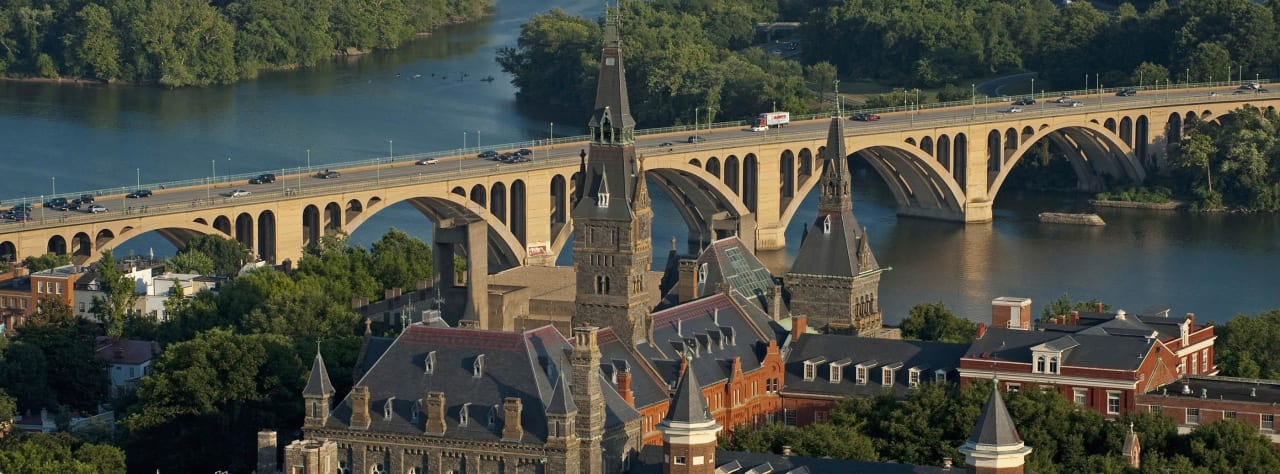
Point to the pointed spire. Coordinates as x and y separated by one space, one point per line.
562 399
995 427
688 405
836 184
611 91
318 382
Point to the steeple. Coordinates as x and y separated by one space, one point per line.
612 215
1132 449
317 393
688 431
835 186
994 445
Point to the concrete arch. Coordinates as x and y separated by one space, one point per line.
787 175
732 173
959 158
223 224
713 166
699 196
926 144
8 251
1141 140
103 236
750 181
519 211
479 196
311 226
943 151
695 162
806 162
333 218
1110 125
559 203
498 201
81 245
1087 134
201 221
995 151
1027 133
373 201
353 209
505 250
911 141
176 233
244 230
1126 130
267 236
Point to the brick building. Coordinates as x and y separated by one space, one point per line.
1192 343
20 292
1199 400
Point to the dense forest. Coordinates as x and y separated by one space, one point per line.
1234 162
190 42
687 54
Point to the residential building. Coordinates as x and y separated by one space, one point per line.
20 292
127 361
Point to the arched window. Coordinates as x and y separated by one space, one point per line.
1039 364
344 468
1053 365
378 468
826 225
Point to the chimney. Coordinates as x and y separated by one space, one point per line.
1011 312
360 407
946 462
267 451
1075 317
511 429
624 386
1191 319
687 280
1097 307
799 324
982 330
435 414
424 283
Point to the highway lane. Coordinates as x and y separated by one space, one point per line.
402 171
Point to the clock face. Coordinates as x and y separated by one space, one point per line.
610 61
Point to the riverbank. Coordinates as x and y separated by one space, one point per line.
1155 206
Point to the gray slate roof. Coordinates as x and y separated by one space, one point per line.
841 252
1140 325
516 364
318 381
995 426
1092 350
739 462
692 329
688 405
926 356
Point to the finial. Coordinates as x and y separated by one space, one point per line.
368 328
673 243
317 347
1130 426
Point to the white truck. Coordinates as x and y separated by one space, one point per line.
772 120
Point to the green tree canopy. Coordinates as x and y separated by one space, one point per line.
46 261
228 255
40 453
934 322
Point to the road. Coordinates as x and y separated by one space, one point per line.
992 87
402 171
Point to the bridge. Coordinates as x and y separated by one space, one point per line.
945 162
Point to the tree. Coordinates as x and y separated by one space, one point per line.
1063 306
191 261
951 93
119 295
821 75
76 377
400 261
934 322
1245 346
93 47
1149 74
46 262
41 453
228 255
1230 446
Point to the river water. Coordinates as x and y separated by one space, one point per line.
78 137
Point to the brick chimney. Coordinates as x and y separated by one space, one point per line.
687 282
435 414
1011 312
1097 307
360 407
799 324
1075 317
511 429
624 386
982 330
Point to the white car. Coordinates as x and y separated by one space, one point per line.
97 209
428 161
1074 103
1015 109
759 128
239 193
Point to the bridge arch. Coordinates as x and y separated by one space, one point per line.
926 144
478 195
1112 155
559 203
81 245
519 211
713 166
8 251
354 208
266 247
244 231
310 225
695 162
750 181
1126 130
787 175
177 233
333 218
223 224
959 158
505 250
943 151
459 191
498 201
731 173
698 195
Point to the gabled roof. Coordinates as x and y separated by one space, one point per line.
995 427
318 381
1092 351
688 405
875 353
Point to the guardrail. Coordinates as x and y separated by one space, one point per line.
468 151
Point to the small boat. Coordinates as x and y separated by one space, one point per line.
415 76
488 79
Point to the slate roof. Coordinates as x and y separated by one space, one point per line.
611 168
318 381
1140 325
841 252
729 261
854 350
1092 350
692 329
739 462
125 351
995 427
516 364
1225 388
611 87
647 388
688 405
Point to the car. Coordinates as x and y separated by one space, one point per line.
1064 100
428 161
697 138
57 203
488 154
524 152
238 193
263 178
1074 103
1250 86
864 117
86 198
759 128
96 209
666 144
328 174
1126 92
1015 109
1025 101
141 193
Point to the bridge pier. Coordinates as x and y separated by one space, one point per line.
473 238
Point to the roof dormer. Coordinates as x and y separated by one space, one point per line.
477 367
811 368
887 373
836 370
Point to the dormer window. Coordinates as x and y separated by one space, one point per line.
886 373
863 372
1047 362
477 367
811 368
493 416
837 370
913 376
940 376
1053 365
462 414
388 408
413 414
429 365
826 224
702 273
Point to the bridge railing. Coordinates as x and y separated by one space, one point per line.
214 181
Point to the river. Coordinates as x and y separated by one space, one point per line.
78 137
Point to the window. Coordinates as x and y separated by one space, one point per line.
1231 415
1012 387
477 367
837 370
940 376
378 468
789 417
1193 416
1204 360
493 416
59 287
810 371
681 460
1039 364
388 408
1268 422
1195 368
820 416
429 365
80 305
886 376
344 468
1157 409
914 378
462 414
1080 396
1053 365
861 376
1113 403
40 287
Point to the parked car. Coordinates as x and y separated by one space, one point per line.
263 179
863 117
141 193
696 138
1025 101
1127 92
96 209
428 161
328 174
57 203
238 193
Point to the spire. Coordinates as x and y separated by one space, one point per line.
995 427
562 399
318 383
611 121
835 195
688 405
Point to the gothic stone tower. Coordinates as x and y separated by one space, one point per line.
611 247
835 280
588 397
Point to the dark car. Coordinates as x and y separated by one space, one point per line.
696 139
862 117
328 174
263 178
86 198
1025 101
58 203
141 193
666 144
488 154
1127 92
524 152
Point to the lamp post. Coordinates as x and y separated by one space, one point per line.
53 181
915 108
1033 88
464 150
391 150
208 192
478 146
1188 75
137 177
695 122
973 99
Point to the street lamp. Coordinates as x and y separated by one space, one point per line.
53 180
138 177
973 99
391 150
1033 88
464 150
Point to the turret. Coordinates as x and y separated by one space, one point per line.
688 431
994 446
316 395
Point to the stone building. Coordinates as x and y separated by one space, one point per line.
835 279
